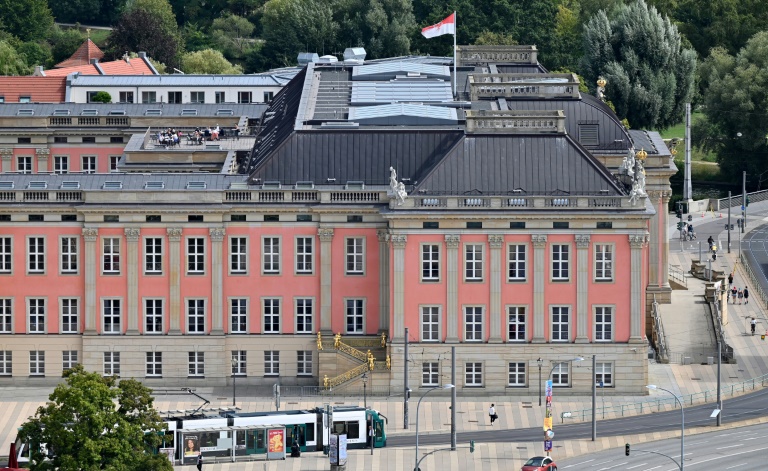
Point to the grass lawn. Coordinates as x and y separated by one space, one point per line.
679 129
99 36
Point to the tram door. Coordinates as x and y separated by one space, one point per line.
299 433
255 441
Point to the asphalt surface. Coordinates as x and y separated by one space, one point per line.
745 407
756 245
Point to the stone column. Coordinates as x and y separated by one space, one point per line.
582 288
132 275
174 279
539 272
90 267
43 154
452 242
217 280
653 256
383 236
6 154
398 294
663 214
326 236
637 295
495 310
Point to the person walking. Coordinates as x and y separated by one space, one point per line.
199 461
746 295
730 280
741 296
492 414
734 292
711 242
753 325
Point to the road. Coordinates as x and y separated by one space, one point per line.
745 407
742 448
755 243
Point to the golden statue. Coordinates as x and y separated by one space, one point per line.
383 340
389 363
319 341
326 381
370 362
337 340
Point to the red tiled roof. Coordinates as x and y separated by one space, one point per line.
89 69
135 66
87 51
39 89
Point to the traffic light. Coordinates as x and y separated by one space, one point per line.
680 225
679 213
471 446
690 218
626 449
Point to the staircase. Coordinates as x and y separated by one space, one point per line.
368 353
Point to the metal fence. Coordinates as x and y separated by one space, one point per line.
346 390
757 290
678 275
736 200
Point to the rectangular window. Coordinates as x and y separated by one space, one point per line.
355 316
153 255
195 255
154 364
68 254
560 262
111 363
430 262
516 376
6 363
603 262
174 97
516 324
148 97
238 255
60 164
473 323
25 99
430 373
111 255
70 316
113 161
516 262
197 97
89 140
6 254
271 363
304 363
60 139
238 362
153 316
304 316
604 225
196 316
560 374
68 359
271 255
220 97
603 323
238 315
24 164
6 315
36 315
473 262
355 255
268 96
430 323
304 253
126 97
37 363
36 255
271 315
197 364
116 140
244 97
560 324
604 374
24 140
473 374
111 313
88 163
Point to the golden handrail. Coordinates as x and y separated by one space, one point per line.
344 377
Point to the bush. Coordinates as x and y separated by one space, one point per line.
101 97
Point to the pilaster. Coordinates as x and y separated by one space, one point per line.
637 298
654 274
326 237
43 154
582 288
496 242
663 214
217 280
383 237
174 279
398 312
452 287
90 235
132 275
539 271
6 155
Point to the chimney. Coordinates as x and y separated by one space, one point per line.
93 61
39 71
142 54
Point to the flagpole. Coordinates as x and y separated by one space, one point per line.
455 28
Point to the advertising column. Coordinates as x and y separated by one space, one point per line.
548 433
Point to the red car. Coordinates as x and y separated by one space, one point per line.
539 463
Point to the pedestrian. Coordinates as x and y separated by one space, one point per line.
492 414
730 280
370 437
199 461
710 241
741 296
753 324
746 295
734 292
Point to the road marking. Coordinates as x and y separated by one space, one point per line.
738 466
613 467
651 469
633 467
578 464
731 446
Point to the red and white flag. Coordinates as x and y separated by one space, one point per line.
447 26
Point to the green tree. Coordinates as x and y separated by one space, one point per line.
383 27
92 422
64 42
102 97
160 9
232 34
195 39
36 53
76 11
724 23
30 20
650 75
139 30
208 61
294 26
490 38
11 61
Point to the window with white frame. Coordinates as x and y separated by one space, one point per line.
36 254
60 164
196 316
473 262
70 316
516 374
304 315
238 255
125 97
270 251
304 363
88 163
271 363
304 254
604 374
561 375
197 97
238 315
430 373
68 359
473 374
197 364
430 323
271 315
153 255
560 261
355 255
516 323
473 323
517 262
111 314
244 97
195 255
6 315
603 262
37 363
113 161
430 262
355 316
68 254
24 164
6 363
153 316
560 324
149 97
603 323
239 362
111 260
36 315
6 254
154 364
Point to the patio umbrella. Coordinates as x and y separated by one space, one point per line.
13 461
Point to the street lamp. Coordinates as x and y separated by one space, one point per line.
365 398
235 363
445 386
552 371
540 362
681 465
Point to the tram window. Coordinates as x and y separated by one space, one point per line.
260 443
351 428
310 432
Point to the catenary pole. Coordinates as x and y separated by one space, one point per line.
406 391
453 399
